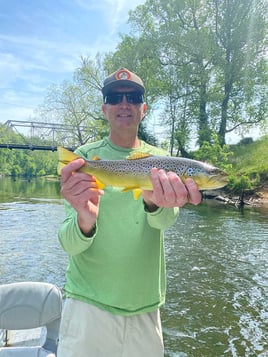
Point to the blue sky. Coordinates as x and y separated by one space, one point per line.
41 42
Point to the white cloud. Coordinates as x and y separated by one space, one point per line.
115 12
9 111
39 52
10 67
15 113
46 52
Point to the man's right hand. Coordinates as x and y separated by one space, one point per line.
82 192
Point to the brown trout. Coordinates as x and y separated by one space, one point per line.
133 173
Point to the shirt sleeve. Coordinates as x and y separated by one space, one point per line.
162 218
72 240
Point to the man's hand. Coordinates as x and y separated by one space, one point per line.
170 191
82 192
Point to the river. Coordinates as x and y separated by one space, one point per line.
217 267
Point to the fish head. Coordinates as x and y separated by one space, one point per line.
211 178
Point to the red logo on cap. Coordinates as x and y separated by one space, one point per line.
122 74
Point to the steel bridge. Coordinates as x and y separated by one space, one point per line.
56 134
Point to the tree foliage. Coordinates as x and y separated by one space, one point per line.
203 64
205 60
25 163
213 152
77 104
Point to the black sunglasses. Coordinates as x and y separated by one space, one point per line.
117 98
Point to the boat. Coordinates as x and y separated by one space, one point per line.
30 314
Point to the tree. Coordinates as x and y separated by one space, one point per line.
184 52
206 58
77 105
25 163
241 69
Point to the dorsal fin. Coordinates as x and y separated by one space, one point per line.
138 155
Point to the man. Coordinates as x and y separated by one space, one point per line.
116 273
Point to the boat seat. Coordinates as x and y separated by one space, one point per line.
30 305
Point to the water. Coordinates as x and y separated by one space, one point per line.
217 301
217 260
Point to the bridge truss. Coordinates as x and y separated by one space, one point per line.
52 133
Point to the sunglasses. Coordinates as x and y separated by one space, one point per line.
117 98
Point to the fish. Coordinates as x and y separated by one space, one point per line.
133 173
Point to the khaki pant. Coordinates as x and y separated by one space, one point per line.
87 331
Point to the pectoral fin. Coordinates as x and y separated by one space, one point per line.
136 191
100 185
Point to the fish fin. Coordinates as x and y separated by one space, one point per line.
60 167
100 185
136 191
138 155
95 158
65 157
126 189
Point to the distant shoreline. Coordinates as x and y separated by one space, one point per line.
256 198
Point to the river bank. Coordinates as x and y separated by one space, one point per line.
261 196
247 198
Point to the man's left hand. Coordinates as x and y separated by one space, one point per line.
169 190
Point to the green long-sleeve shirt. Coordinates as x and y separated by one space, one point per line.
121 268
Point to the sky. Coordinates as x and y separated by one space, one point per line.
42 41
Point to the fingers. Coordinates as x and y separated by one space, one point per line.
170 191
81 191
77 187
195 196
68 170
78 184
168 188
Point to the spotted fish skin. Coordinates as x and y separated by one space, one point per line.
133 173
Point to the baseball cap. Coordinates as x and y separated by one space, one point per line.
122 77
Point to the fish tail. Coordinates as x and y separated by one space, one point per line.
65 157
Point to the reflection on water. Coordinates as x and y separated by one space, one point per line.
11 190
30 215
217 260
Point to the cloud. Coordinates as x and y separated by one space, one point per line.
40 52
32 71
114 12
17 106
10 67
40 46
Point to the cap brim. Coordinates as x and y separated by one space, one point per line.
121 83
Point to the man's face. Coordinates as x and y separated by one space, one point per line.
124 115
